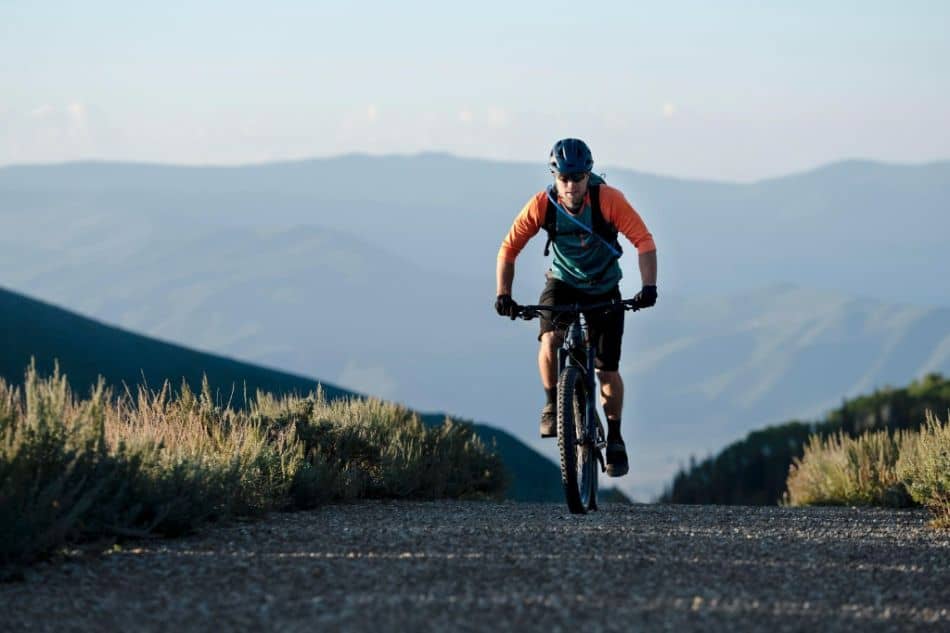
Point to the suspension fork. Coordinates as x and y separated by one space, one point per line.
576 340
573 340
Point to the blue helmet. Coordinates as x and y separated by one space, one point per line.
570 156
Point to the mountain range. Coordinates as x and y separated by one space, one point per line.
777 298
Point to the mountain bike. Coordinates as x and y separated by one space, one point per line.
580 435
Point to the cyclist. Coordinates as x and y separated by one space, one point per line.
584 270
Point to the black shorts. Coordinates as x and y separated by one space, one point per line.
605 329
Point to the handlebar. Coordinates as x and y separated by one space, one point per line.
529 312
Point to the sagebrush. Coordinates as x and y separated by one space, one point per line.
924 467
840 469
161 462
881 468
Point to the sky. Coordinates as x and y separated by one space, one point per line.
729 90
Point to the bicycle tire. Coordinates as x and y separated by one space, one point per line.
578 465
590 466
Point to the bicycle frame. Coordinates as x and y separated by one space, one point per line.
577 339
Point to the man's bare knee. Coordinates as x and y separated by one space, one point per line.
609 377
551 339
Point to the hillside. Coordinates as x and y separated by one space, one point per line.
86 349
753 471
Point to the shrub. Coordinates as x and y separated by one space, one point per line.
368 448
156 463
924 467
841 470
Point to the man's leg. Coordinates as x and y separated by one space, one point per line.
547 365
611 397
611 393
608 334
550 339
547 359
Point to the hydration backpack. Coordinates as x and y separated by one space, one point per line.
599 226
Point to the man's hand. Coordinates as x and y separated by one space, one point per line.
505 306
646 297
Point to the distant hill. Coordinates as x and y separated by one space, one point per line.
777 298
858 227
754 470
86 349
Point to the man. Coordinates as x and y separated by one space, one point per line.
585 220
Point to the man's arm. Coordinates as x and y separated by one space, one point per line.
647 268
525 226
505 276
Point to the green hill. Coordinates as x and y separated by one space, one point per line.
86 349
753 471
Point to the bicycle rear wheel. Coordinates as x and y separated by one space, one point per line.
578 462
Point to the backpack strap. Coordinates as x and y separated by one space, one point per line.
550 224
603 229
599 224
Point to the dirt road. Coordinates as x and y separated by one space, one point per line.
474 566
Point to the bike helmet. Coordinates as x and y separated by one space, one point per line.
570 156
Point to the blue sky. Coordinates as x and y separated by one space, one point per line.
726 90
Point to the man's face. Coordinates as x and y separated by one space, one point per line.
572 188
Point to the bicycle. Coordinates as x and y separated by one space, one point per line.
580 436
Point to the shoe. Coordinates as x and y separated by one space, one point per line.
548 421
617 464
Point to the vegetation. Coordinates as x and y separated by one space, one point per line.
843 470
877 468
749 472
754 470
33 329
160 463
924 468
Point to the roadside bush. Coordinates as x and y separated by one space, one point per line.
924 467
842 470
159 463
368 448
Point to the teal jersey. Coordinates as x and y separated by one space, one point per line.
583 260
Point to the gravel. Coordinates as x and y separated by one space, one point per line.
478 566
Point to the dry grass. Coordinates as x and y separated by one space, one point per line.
924 466
842 470
162 463
880 468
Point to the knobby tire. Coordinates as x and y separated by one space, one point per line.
578 464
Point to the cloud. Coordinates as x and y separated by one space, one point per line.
669 110
372 113
56 131
67 123
72 115
76 112
370 379
42 111
466 116
498 117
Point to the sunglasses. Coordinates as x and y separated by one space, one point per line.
576 177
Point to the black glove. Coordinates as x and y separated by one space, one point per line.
646 297
505 306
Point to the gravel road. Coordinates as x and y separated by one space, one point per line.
478 566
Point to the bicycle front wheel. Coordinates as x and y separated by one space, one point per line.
578 463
